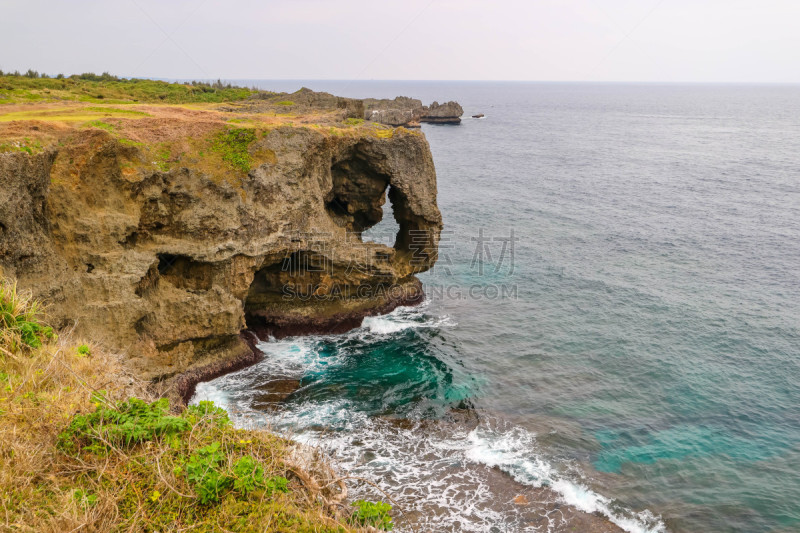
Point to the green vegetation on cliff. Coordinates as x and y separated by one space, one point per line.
105 88
79 450
232 144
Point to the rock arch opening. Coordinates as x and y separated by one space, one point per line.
326 283
386 231
363 202
358 194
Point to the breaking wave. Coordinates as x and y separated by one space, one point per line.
448 469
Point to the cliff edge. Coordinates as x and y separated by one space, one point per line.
172 233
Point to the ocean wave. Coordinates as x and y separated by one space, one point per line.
404 318
442 473
512 452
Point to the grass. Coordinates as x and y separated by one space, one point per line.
163 155
232 144
118 111
110 89
384 133
20 327
71 113
129 142
25 145
100 124
84 446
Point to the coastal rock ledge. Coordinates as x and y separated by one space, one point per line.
140 239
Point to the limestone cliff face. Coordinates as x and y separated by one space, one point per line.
170 266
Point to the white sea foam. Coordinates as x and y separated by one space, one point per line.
434 470
404 318
289 357
514 452
427 470
384 326
209 391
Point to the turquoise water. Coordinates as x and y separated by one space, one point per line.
647 366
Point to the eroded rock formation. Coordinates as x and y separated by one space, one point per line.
172 265
447 113
402 111
409 112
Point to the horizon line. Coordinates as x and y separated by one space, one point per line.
350 80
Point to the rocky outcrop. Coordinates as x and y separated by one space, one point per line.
447 113
402 111
409 112
171 262
301 102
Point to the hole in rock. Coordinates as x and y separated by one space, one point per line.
185 273
166 262
298 274
358 193
301 293
363 202
384 232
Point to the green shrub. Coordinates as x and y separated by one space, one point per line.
131 422
374 514
83 351
207 471
233 145
91 87
354 121
202 470
285 103
249 475
208 411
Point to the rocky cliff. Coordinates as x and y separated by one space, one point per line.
409 112
168 236
402 111
447 113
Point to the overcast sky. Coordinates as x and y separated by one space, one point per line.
596 40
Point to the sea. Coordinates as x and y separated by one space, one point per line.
613 324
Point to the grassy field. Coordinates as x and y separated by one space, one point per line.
111 89
85 447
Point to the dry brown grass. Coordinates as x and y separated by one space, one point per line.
119 486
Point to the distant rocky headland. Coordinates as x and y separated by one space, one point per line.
401 111
409 112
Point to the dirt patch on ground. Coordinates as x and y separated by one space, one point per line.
34 127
